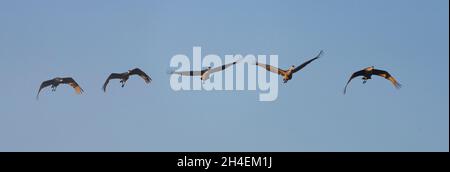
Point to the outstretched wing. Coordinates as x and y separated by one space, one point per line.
142 74
43 85
387 76
189 73
354 75
271 68
112 76
72 83
307 62
223 67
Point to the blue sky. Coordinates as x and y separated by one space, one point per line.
89 39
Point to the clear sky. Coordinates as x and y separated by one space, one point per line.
87 40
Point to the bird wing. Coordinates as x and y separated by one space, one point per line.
74 84
307 62
354 75
189 73
43 85
223 67
387 76
111 76
271 68
142 74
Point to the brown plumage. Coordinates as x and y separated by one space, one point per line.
367 74
56 81
124 77
287 74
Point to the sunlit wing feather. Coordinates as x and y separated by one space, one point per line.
271 68
387 76
74 84
142 74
